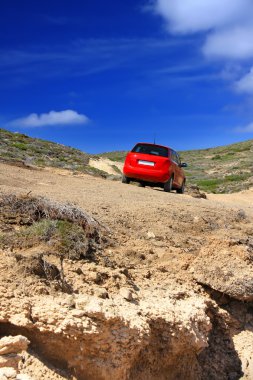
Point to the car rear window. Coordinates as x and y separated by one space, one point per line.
155 150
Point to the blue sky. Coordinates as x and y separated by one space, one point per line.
103 75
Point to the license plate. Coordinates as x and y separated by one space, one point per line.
148 163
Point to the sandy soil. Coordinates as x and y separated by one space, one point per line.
90 192
242 199
106 165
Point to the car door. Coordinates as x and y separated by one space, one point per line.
180 175
174 166
174 160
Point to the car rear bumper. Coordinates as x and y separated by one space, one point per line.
146 174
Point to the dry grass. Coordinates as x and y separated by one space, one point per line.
65 229
37 208
38 234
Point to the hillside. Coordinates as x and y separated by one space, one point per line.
223 169
18 149
216 170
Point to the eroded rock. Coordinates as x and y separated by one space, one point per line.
10 360
10 347
8 373
225 268
13 344
161 321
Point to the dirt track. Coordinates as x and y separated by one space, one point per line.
97 195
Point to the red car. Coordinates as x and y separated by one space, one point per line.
154 165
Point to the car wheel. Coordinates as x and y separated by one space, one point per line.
125 179
182 188
142 184
168 185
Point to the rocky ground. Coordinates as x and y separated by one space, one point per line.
160 288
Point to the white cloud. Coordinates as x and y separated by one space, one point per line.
230 43
246 129
67 117
228 24
227 30
187 16
245 84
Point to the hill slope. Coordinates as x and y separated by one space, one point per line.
19 147
222 169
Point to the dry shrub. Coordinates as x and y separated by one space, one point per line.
69 231
38 208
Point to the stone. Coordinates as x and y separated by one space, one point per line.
13 344
10 360
78 313
101 293
23 376
7 373
195 192
126 293
241 215
94 277
150 235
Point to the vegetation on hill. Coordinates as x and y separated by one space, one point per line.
118 156
33 151
218 170
221 170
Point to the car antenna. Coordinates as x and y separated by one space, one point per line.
154 138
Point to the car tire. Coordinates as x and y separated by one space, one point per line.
125 179
167 187
142 184
182 188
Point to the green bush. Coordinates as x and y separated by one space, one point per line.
216 157
20 146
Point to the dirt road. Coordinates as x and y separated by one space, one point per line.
97 195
